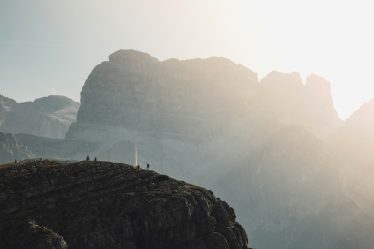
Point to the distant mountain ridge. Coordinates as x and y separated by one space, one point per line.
47 117
136 91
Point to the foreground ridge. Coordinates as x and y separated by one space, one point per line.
52 204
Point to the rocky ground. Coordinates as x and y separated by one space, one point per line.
51 204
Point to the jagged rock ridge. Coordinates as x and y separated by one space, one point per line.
108 205
187 99
197 98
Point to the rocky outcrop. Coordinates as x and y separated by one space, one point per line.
12 149
190 99
50 204
47 117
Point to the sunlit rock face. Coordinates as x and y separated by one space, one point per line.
47 117
356 137
352 146
284 100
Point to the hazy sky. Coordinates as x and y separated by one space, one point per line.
50 46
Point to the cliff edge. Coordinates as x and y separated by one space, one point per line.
52 204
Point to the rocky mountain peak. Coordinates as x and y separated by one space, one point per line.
176 97
55 102
131 57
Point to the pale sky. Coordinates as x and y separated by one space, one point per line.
50 46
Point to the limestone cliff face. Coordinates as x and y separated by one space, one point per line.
192 98
196 100
12 149
6 105
49 204
47 117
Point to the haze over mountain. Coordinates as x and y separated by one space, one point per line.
275 149
48 116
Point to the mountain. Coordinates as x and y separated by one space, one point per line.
274 148
12 149
196 99
352 145
284 100
260 144
286 180
190 99
174 109
47 117
6 105
56 204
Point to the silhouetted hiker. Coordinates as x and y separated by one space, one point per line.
87 158
148 166
95 159
138 167
15 161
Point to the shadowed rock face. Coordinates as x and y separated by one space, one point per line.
12 149
50 204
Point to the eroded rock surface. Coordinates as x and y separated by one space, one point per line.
109 205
